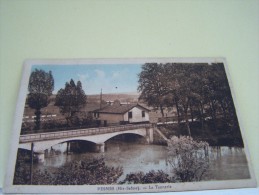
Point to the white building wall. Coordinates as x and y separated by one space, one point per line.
111 118
136 115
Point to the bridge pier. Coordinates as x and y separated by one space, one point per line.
150 135
100 147
40 156
68 148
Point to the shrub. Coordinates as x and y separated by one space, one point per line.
150 177
93 172
188 158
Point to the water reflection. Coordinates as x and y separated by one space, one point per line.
225 162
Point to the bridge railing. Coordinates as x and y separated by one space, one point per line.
79 132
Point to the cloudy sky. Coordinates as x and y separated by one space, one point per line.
111 78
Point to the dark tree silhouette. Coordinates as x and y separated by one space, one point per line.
70 100
153 85
197 91
41 85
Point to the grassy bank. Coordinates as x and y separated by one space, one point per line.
220 135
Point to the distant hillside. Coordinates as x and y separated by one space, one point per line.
93 102
123 97
131 97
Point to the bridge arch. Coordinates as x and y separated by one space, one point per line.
127 134
98 139
41 146
142 134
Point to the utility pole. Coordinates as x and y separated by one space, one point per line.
31 167
101 99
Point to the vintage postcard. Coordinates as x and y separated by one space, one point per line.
127 125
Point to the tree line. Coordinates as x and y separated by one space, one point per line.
69 99
194 90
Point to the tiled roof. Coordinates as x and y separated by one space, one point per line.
119 109
92 107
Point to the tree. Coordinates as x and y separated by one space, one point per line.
70 100
196 85
184 92
41 85
180 81
188 158
152 85
172 98
196 90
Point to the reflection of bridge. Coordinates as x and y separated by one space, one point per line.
41 142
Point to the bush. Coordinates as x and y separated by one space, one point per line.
93 172
150 177
188 158
27 127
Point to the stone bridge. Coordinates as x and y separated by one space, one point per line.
41 142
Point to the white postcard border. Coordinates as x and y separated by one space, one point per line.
161 187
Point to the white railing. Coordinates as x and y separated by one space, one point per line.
78 132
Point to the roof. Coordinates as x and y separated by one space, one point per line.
120 109
92 107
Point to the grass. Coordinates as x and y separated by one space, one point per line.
222 135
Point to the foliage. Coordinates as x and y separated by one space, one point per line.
70 100
41 85
188 158
82 172
152 85
22 169
196 91
150 177
26 127
93 172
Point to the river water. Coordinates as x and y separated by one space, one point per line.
225 162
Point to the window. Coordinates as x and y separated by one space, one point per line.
143 113
96 114
130 114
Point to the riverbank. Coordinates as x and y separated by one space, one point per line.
221 135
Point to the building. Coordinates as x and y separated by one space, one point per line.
122 114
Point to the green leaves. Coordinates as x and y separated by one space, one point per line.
41 85
41 82
196 90
92 172
70 99
150 177
187 158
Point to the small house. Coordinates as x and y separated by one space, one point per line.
122 114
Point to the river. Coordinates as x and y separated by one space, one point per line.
225 162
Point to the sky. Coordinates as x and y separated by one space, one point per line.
111 78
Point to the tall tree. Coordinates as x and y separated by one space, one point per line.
70 100
152 85
185 93
172 72
41 85
198 87
217 91
221 100
195 90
